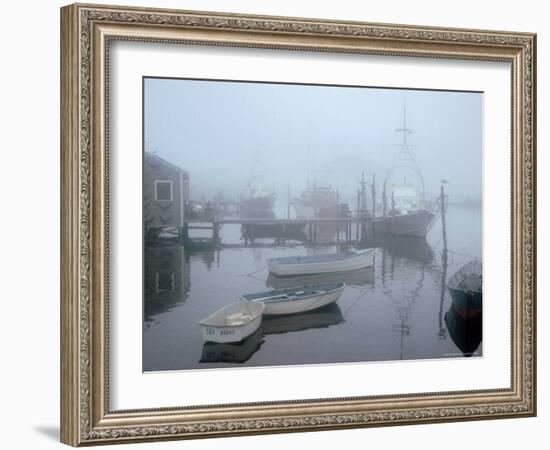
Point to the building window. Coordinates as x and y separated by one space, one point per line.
163 191
165 282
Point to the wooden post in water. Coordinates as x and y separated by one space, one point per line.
373 193
363 207
184 233
443 223
358 213
215 231
288 201
443 259
384 201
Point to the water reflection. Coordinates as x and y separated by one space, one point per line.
411 248
242 351
238 352
465 328
321 318
167 279
398 309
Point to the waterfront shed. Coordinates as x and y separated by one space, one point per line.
165 191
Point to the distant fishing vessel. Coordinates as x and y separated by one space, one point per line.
316 202
297 299
408 215
466 286
257 201
326 263
232 323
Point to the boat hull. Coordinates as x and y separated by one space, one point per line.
467 294
463 299
411 224
302 305
360 277
214 331
360 261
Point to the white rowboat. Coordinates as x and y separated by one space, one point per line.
313 264
232 323
297 299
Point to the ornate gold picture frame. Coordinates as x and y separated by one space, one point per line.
87 34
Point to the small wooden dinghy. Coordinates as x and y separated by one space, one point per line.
297 299
232 323
313 264
466 286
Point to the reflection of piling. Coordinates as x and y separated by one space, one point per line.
184 233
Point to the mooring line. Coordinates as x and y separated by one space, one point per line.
253 273
354 303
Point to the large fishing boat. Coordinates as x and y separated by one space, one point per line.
407 214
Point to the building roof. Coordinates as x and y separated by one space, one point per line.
168 163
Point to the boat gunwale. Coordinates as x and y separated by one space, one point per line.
339 285
293 260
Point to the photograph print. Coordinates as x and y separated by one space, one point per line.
296 224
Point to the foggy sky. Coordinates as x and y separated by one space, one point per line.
224 133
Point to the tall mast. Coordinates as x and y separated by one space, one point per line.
405 158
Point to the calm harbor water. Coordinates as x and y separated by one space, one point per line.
398 310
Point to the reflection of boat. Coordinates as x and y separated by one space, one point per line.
466 285
465 328
237 352
200 243
320 318
325 263
297 299
413 248
232 323
360 277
